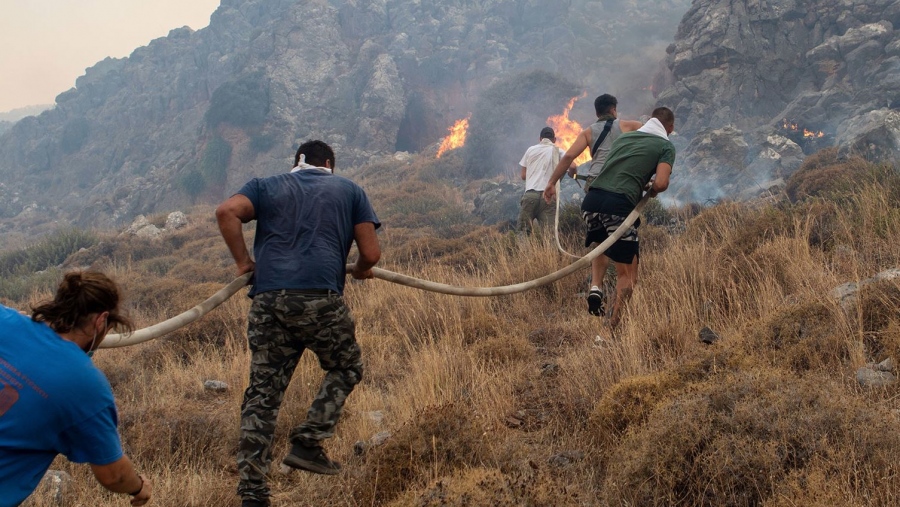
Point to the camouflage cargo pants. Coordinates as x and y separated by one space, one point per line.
282 324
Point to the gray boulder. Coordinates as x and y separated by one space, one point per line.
870 377
176 220
846 294
142 228
875 135
498 202
55 488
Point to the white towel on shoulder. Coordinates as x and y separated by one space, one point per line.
301 165
655 127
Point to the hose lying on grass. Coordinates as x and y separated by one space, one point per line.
167 326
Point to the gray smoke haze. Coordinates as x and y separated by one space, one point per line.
508 116
144 133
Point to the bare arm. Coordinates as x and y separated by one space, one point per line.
369 250
630 125
524 171
566 162
661 182
120 477
231 214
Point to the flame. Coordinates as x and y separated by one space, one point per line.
813 135
567 130
794 127
457 137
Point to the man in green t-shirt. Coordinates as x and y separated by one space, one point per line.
598 138
633 161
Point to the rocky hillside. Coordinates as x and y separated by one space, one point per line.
190 116
757 85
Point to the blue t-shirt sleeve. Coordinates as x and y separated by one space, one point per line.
363 211
94 440
250 190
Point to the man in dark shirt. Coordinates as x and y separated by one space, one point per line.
306 221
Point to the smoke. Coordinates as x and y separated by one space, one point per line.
508 118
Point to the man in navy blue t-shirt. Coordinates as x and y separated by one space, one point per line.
306 221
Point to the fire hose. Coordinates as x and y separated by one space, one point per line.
556 225
183 319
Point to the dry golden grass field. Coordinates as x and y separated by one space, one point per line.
507 401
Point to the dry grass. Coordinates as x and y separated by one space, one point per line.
504 401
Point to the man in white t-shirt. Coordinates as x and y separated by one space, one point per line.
537 165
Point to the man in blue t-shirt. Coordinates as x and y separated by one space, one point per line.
306 222
53 400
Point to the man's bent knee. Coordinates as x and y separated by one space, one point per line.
354 375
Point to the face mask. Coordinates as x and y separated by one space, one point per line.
90 350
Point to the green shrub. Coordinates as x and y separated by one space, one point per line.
243 102
192 183
214 164
20 287
46 253
262 143
570 221
655 213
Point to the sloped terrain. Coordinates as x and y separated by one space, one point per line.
510 400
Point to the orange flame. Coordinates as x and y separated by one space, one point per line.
567 130
794 127
811 134
457 137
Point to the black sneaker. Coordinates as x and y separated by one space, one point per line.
311 459
595 303
255 503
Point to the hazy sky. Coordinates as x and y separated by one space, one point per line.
46 44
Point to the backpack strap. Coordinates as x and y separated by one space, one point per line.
599 141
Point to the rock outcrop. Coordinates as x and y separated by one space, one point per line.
755 85
192 115
813 73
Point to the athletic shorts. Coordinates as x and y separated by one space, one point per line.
601 226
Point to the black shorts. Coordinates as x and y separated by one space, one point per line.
602 222
601 226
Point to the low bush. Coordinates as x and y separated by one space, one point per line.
214 164
48 252
243 102
803 337
191 182
828 174
439 439
738 440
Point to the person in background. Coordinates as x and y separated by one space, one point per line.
306 222
599 137
53 400
638 161
536 166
